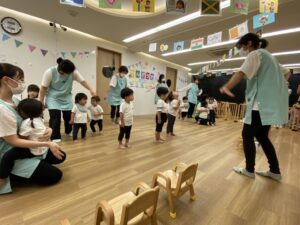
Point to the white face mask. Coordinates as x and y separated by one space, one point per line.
19 89
244 53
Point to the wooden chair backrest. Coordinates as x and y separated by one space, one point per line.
187 176
146 203
104 214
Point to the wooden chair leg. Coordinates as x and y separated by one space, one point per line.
172 206
192 193
154 219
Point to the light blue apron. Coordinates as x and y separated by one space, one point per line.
23 167
158 86
59 93
114 96
269 89
193 94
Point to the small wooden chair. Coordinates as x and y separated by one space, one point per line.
176 182
137 207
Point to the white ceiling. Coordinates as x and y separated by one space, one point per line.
116 28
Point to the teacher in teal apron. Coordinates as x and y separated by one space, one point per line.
57 87
266 102
117 83
38 169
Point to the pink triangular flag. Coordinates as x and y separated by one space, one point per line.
31 48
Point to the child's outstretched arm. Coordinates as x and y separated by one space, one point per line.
122 119
72 118
158 117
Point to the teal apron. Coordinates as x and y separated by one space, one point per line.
158 86
193 94
114 96
269 89
59 93
23 167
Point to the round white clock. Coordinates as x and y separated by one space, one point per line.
11 25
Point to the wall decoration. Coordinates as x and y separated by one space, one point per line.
18 43
214 38
259 32
243 29
210 7
197 43
78 3
236 51
230 53
233 33
152 47
163 47
178 46
44 52
11 25
268 6
239 6
176 6
143 5
31 48
113 4
263 20
73 54
5 37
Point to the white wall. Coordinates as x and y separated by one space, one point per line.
41 35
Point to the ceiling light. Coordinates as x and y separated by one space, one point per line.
270 34
292 65
172 23
242 58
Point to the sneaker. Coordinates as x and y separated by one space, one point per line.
243 171
274 176
56 140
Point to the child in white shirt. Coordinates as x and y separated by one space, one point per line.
79 116
184 107
202 113
96 114
33 91
174 105
126 117
161 112
212 106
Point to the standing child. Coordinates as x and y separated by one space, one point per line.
212 106
203 112
184 107
161 112
96 114
33 91
126 117
174 105
79 116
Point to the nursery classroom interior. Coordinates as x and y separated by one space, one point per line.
187 179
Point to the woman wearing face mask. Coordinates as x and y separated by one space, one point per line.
117 83
266 100
161 83
35 169
193 93
57 87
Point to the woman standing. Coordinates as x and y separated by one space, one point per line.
161 83
57 86
117 83
266 101
36 169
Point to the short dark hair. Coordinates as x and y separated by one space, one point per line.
30 108
257 42
184 98
162 91
33 87
8 70
126 92
79 97
162 76
65 65
203 103
169 82
123 69
96 98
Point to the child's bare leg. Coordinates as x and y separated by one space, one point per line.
2 181
158 138
127 143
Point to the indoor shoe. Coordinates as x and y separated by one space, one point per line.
274 176
243 171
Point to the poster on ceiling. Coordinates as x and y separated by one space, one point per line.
143 5
78 3
178 46
263 20
197 43
176 6
210 7
268 6
239 6
113 4
214 38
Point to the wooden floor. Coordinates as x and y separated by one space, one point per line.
95 169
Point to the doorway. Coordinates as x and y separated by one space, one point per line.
172 75
105 58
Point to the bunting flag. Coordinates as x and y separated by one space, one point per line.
197 43
113 4
268 6
18 43
87 53
78 3
210 7
44 52
263 20
73 54
63 54
5 37
239 6
31 48
143 5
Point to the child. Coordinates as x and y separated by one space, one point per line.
212 106
184 107
79 116
96 114
126 117
33 91
203 112
32 128
174 105
161 115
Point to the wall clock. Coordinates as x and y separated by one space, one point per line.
11 25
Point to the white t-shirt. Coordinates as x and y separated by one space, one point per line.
8 121
173 104
184 106
80 117
47 77
203 115
251 66
161 106
212 106
95 110
33 134
127 111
